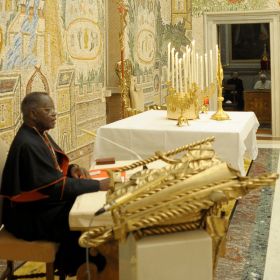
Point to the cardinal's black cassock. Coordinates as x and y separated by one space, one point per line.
38 194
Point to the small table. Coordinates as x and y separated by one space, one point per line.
141 135
259 101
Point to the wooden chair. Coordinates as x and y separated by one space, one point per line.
14 249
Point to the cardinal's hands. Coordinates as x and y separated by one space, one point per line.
79 172
104 184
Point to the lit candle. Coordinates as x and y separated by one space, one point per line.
206 70
185 70
168 61
176 72
211 66
202 73
173 65
189 67
193 61
180 76
193 46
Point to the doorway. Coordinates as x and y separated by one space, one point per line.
211 23
245 56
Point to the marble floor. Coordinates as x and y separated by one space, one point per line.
253 239
272 267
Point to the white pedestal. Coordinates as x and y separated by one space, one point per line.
177 256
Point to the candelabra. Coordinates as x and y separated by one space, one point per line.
190 83
184 106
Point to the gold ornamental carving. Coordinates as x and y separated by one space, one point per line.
187 194
124 66
124 71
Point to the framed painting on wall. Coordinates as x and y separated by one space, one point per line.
181 12
179 6
176 18
248 41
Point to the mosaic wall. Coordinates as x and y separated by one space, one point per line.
200 6
66 39
151 25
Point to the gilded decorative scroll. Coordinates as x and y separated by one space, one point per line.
187 194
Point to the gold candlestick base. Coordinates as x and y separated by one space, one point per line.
181 121
220 115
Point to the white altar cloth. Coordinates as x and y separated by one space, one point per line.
151 131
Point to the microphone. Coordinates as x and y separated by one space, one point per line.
112 142
107 207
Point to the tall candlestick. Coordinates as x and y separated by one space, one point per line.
180 76
206 70
168 61
122 63
173 65
185 71
189 67
176 72
211 66
193 61
202 73
193 46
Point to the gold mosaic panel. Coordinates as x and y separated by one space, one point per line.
6 112
7 136
63 100
64 132
181 11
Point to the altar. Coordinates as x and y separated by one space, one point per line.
239 134
141 135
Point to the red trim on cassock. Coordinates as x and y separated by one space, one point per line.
34 195
65 162
28 197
